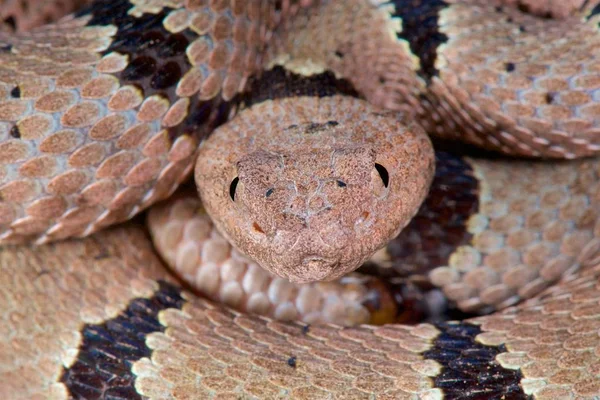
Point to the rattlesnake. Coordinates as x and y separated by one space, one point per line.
105 112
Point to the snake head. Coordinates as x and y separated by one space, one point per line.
312 198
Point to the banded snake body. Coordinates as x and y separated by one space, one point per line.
104 113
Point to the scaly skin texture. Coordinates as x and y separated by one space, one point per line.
469 69
24 15
96 129
205 351
185 237
500 240
305 199
97 124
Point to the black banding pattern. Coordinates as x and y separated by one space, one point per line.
103 366
102 369
279 83
469 369
595 11
157 62
420 28
440 225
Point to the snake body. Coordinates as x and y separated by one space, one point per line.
101 116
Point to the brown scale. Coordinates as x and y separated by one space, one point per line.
483 72
197 349
462 238
24 15
431 237
101 136
157 63
278 83
552 340
499 87
438 228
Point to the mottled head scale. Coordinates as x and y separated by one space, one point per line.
314 195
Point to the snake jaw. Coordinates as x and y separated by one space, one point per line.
318 268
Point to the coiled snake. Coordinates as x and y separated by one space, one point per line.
103 114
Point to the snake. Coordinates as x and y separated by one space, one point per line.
453 143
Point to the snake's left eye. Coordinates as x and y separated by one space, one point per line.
269 192
341 183
233 187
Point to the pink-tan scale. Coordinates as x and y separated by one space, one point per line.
90 153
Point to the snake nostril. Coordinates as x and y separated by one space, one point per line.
363 217
257 228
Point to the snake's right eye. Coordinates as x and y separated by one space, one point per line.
233 187
383 174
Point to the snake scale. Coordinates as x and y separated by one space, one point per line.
108 110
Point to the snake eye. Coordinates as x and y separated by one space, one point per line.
383 174
269 192
233 187
341 183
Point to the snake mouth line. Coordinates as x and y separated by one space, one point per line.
318 268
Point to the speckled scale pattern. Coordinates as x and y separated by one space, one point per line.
185 237
470 370
100 127
526 234
103 366
499 92
553 339
440 225
291 210
46 305
490 74
212 352
204 350
23 15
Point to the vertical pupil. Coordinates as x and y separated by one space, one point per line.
383 174
233 187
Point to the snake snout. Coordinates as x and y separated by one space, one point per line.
314 268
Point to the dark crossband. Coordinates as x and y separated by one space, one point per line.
102 369
157 62
420 28
470 370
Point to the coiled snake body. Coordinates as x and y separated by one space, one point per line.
103 114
